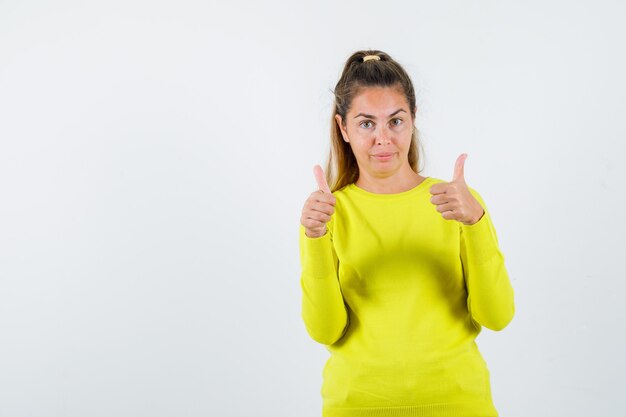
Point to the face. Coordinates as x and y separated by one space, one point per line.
378 128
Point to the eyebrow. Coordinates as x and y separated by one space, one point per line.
369 116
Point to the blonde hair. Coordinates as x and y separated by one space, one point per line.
341 166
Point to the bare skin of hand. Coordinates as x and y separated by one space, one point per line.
319 207
454 200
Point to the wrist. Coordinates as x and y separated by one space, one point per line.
479 217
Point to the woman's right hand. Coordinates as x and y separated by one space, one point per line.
318 207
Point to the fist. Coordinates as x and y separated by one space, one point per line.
454 200
318 207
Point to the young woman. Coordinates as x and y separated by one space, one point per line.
399 271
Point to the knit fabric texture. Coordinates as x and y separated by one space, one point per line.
397 294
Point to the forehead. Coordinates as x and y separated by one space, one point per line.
379 100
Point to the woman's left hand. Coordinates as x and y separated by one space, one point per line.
454 200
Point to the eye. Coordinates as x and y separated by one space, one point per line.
365 121
396 120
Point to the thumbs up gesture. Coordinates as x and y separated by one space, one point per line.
318 207
454 200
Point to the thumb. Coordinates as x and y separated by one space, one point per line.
459 168
321 179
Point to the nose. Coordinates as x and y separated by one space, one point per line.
383 137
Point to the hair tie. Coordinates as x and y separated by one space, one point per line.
368 57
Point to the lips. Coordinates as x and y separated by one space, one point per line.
383 156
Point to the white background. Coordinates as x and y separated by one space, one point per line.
155 157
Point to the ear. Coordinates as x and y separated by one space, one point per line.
344 133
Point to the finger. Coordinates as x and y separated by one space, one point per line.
459 168
310 223
321 179
318 215
442 208
439 199
440 188
313 224
321 207
312 218
449 215
322 197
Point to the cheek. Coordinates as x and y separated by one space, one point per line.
406 135
357 146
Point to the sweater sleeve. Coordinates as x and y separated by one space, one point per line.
490 299
323 308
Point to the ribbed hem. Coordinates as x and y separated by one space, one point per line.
473 409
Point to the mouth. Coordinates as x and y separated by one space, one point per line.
385 156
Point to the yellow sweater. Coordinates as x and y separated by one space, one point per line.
398 295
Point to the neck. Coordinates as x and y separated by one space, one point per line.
400 181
